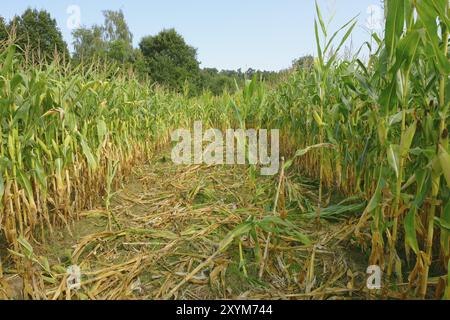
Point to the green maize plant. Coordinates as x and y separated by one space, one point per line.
60 129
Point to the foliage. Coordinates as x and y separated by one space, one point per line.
36 31
3 29
88 44
112 41
170 61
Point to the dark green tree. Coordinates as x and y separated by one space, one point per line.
113 40
37 31
170 61
118 37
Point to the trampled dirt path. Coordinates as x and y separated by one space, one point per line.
201 232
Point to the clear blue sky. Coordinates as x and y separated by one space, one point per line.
229 34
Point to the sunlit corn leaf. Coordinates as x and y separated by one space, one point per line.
423 188
26 246
395 21
427 12
304 151
407 139
377 197
277 225
393 158
24 181
92 162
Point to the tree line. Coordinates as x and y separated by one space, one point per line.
165 58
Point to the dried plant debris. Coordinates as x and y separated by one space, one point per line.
193 232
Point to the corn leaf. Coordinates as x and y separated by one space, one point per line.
92 162
239 231
407 139
393 158
395 22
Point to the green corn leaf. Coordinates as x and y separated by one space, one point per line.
410 230
322 23
17 80
406 51
43 262
395 22
239 231
443 224
330 42
374 201
388 97
396 118
376 198
102 129
441 6
304 151
428 14
40 174
92 162
407 139
343 40
8 62
55 147
26 246
44 148
444 160
394 159
24 181
319 48
277 225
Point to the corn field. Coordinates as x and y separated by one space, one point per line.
373 131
